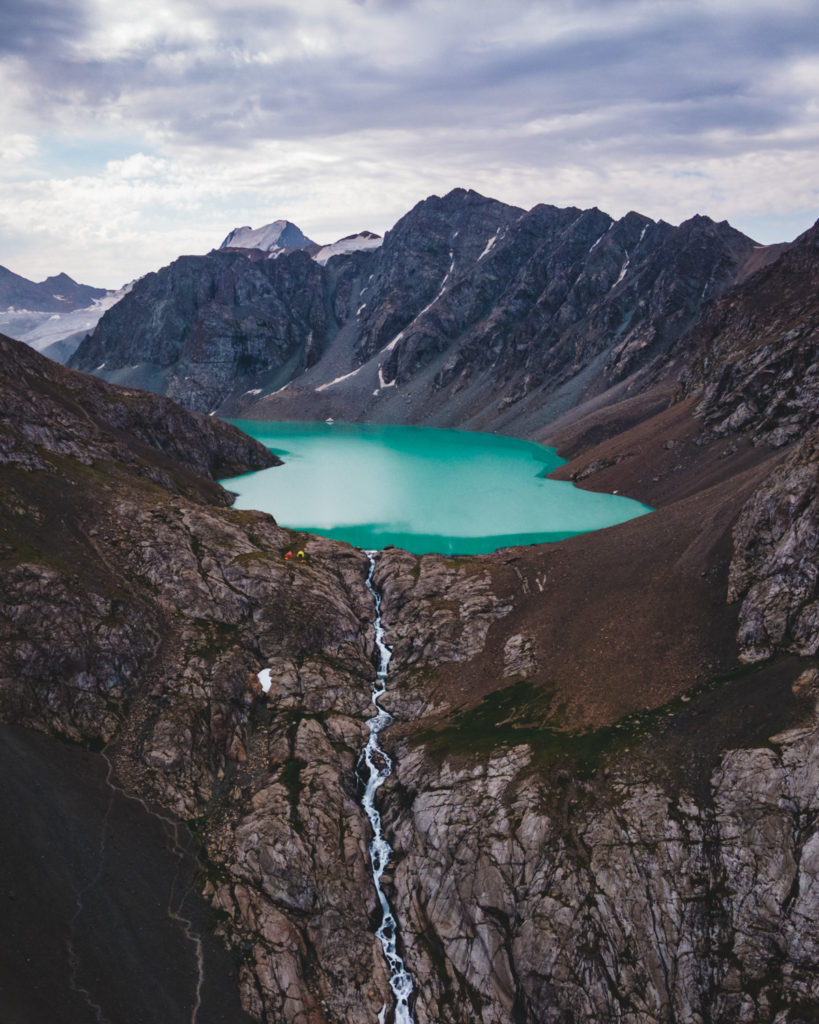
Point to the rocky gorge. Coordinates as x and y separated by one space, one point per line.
604 803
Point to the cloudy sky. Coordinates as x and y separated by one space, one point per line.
134 131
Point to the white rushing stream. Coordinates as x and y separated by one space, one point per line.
379 766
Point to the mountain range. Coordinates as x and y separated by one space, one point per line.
469 312
54 315
59 294
606 751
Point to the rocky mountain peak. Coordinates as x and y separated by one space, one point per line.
459 205
59 280
701 225
809 237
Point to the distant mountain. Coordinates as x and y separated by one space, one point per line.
56 312
469 312
54 295
57 335
272 238
281 236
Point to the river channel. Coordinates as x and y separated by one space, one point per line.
375 768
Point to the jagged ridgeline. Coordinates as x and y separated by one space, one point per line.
470 312
604 799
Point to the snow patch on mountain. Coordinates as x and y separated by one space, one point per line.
490 244
338 380
43 328
281 235
391 344
351 243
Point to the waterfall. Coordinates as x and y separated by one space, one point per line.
379 766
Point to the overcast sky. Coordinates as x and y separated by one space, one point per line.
135 131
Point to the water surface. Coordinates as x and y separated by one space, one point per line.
422 489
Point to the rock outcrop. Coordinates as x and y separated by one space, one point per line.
756 353
48 412
775 568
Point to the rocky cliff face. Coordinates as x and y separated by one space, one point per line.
464 297
136 613
633 895
755 356
208 325
648 866
775 567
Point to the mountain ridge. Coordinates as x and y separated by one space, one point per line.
463 294
54 294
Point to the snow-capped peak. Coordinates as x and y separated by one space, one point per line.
351 243
281 234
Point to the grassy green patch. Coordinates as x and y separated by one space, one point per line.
728 711
249 557
517 714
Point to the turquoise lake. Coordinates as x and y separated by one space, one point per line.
419 488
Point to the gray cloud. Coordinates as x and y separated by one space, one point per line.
34 27
687 70
419 94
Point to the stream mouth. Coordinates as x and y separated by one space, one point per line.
375 766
